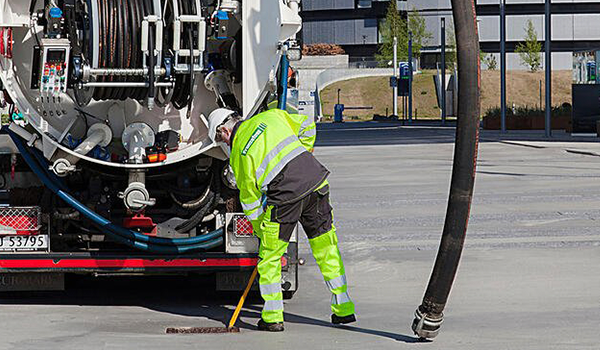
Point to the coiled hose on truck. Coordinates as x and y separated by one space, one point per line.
120 46
117 233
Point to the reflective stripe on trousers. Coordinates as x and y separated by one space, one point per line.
339 299
272 288
273 305
326 252
269 268
336 283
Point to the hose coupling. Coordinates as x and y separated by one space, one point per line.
427 326
136 197
62 167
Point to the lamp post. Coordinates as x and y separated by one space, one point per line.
443 82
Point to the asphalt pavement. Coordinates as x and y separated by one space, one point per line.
528 278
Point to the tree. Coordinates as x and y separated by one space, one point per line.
421 37
393 26
529 51
489 60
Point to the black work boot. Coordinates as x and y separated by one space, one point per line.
335 319
270 327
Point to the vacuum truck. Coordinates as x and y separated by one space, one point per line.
106 167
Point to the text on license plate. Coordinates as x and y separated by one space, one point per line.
36 242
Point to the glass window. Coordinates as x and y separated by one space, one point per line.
364 3
370 22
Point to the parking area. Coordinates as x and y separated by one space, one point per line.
528 278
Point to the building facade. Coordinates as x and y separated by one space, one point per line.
575 27
355 25
352 24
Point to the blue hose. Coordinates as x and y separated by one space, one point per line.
285 66
120 234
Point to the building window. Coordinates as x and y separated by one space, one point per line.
364 4
370 22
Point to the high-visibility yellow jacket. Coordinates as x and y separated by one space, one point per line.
272 161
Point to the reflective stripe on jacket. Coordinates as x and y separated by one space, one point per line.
262 147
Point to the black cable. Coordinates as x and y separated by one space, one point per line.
11 111
32 4
182 93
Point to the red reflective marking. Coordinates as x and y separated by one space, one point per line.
122 263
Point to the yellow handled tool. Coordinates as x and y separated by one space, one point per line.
236 313
231 328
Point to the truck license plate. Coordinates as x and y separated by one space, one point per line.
25 282
24 243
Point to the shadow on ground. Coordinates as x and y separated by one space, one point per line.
183 296
385 133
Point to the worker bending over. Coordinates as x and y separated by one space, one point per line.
281 183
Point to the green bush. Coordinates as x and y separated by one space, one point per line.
527 112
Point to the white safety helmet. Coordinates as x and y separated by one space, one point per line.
215 119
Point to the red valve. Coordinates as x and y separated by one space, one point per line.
9 44
6 42
2 47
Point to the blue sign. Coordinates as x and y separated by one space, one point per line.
404 71
591 71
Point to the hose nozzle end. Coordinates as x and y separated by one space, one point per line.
426 326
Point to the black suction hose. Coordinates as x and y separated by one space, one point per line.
429 315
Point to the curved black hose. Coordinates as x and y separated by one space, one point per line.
184 83
196 219
463 172
194 203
